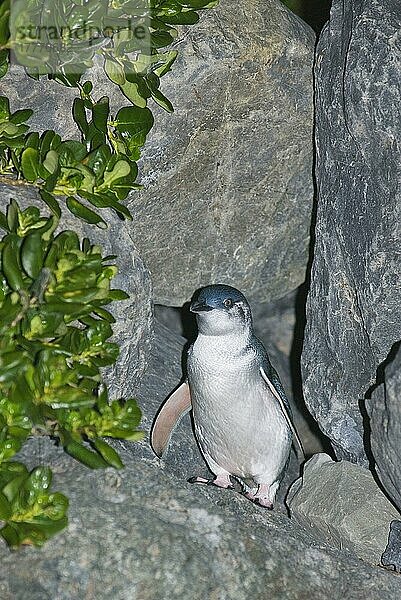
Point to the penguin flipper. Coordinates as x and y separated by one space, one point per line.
171 412
284 409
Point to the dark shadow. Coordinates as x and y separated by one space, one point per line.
188 321
380 380
316 13
381 369
295 366
300 318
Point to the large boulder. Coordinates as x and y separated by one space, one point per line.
343 504
228 185
145 533
354 307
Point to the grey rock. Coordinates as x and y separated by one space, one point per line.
354 308
144 533
384 408
228 187
391 557
342 502
133 327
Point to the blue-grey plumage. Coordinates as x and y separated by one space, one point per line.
240 423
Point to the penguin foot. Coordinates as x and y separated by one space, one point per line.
222 481
262 497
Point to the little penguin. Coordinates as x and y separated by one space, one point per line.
241 415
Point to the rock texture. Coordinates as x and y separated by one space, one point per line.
342 502
133 327
385 422
228 187
354 308
144 533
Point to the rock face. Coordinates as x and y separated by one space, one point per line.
145 533
133 327
343 503
354 308
228 187
385 422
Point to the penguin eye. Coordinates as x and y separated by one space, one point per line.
228 302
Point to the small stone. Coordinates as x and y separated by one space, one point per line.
344 505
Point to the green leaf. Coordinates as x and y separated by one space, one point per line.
87 87
133 124
51 202
168 59
30 164
102 200
79 115
100 114
85 213
131 91
114 71
32 534
32 254
45 141
90 459
159 39
12 215
4 108
10 263
20 116
183 18
39 481
120 169
162 101
108 453
3 67
32 140
98 159
50 162
3 222
118 295
5 508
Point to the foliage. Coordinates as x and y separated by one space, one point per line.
54 338
54 327
100 169
62 37
31 513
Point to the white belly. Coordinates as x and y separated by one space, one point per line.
238 422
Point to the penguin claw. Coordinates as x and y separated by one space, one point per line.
219 481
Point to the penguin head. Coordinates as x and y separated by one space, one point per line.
221 309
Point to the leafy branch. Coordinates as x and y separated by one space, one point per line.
54 338
54 327
100 169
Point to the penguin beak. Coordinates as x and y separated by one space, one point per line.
197 307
